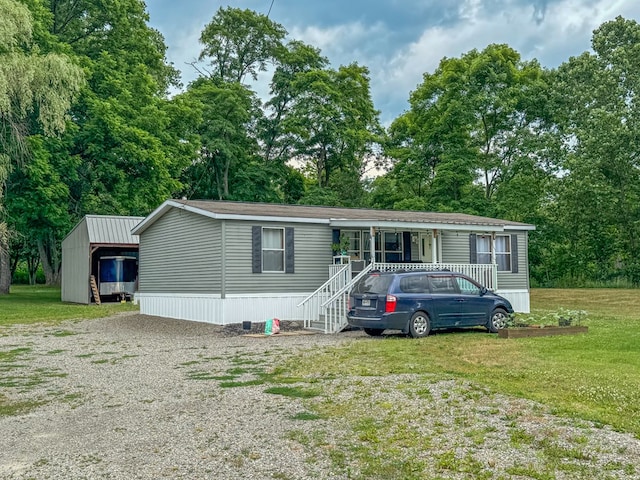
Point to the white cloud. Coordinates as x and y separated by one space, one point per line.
565 31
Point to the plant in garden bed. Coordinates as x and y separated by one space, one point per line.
558 318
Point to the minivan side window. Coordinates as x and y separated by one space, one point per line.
373 284
443 284
414 284
467 287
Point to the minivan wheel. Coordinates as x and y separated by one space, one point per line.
419 325
374 332
498 320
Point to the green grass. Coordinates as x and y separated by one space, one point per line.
38 304
595 376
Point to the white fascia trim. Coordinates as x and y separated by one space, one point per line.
520 227
152 217
253 218
162 209
416 225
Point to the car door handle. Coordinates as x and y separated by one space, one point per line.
460 300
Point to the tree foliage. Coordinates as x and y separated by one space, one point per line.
86 126
36 90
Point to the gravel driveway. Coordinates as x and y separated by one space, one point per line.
138 397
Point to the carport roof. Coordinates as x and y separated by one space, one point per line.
112 229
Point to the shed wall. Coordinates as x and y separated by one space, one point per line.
75 266
181 253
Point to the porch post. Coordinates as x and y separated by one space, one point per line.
434 248
372 243
493 248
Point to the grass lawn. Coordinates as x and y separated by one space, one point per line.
594 376
39 304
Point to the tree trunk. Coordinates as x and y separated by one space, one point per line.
32 266
50 262
5 266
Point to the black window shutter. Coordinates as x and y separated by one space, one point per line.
473 249
256 249
514 253
289 253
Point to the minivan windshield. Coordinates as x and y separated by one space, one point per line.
375 284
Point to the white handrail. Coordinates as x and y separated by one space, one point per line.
325 284
348 286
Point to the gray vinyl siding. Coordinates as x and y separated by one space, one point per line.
75 266
455 246
312 247
455 249
520 280
181 253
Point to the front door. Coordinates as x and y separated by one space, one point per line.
425 240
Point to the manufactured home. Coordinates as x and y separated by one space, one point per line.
229 262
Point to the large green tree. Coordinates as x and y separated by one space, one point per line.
125 147
36 90
597 202
474 125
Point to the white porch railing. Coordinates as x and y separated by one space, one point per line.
485 274
339 276
326 308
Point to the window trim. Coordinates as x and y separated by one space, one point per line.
283 249
506 253
492 244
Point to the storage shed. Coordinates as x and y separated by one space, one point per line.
98 241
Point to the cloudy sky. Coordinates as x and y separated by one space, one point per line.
399 40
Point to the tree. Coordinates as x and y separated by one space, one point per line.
239 42
292 62
470 129
332 125
36 91
597 202
225 114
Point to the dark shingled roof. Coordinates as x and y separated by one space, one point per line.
341 213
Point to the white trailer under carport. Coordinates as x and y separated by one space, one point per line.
93 237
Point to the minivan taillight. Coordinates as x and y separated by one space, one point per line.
390 306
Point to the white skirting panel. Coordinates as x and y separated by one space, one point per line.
219 311
519 299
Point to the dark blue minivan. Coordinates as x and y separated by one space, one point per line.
417 302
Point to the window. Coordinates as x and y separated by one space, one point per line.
443 284
414 284
467 287
503 251
354 237
273 250
483 243
392 247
